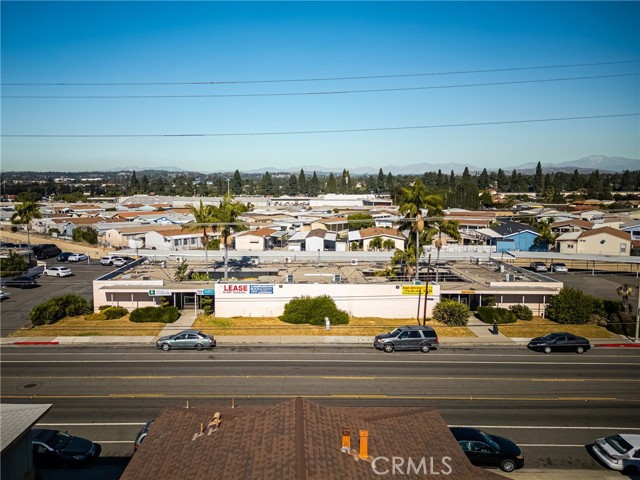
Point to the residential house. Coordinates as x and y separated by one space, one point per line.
255 240
120 236
320 240
364 237
339 225
597 241
574 225
173 240
509 236
66 226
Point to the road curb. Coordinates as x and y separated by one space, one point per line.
35 343
616 345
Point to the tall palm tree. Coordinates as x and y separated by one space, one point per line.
416 199
26 211
202 214
226 216
437 228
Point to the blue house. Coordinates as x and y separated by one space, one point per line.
509 236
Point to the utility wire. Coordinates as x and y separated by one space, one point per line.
305 132
335 92
324 79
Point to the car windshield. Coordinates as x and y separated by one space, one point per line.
548 337
395 332
619 444
489 440
58 440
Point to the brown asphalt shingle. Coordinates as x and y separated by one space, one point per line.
295 440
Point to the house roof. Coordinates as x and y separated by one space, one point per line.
574 223
607 231
260 232
294 440
380 231
334 220
322 233
15 419
177 232
508 228
84 220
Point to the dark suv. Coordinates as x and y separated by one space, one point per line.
413 337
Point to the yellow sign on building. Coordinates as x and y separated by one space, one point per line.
416 289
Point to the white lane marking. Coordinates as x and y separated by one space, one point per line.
386 361
527 427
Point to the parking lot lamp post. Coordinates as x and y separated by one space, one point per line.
419 228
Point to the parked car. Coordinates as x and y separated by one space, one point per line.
78 257
58 272
619 452
538 266
412 337
46 250
559 342
52 448
108 260
64 256
484 449
558 267
142 434
22 281
121 261
186 339
3 296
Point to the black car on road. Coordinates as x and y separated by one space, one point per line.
21 281
484 449
64 256
559 342
53 448
410 337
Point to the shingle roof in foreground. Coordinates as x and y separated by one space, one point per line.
297 440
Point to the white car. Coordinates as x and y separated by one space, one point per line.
619 452
3 295
77 257
58 272
559 267
120 262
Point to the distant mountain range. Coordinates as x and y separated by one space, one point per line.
583 165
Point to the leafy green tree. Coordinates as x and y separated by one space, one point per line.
88 235
388 244
358 221
202 214
571 306
314 185
236 183
332 186
538 180
502 181
302 183
313 310
226 217
12 265
354 247
483 179
375 244
292 189
266 184
181 272
57 308
26 211
380 184
134 184
452 313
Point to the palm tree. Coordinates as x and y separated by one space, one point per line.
405 258
226 216
203 215
25 212
415 199
437 228
375 243
388 244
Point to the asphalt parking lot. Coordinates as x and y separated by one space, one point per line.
600 285
15 309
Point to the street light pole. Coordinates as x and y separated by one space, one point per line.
638 315
419 228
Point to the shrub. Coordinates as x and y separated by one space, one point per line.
12 266
522 312
155 314
496 315
57 308
312 310
571 306
112 313
95 317
451 313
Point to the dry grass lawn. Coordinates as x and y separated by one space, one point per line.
273 326
541 326
79 327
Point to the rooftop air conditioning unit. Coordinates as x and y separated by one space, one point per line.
178 259
354 261
287 259
510 277
289 278
337 278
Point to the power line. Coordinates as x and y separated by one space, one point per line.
335 92
305 132
323 79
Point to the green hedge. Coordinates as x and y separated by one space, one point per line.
496 315
312 310
155 314
522 312
57 308
112 313
572 306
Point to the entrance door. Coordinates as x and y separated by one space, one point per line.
188 301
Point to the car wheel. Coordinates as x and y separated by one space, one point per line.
166 347
388 348
547 350
629 470
425 348
508 466
59 275
199 347
580 350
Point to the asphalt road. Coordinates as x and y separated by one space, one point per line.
552 405
15 310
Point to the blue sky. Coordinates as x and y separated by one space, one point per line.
151 43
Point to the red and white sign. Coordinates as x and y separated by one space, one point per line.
235 289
